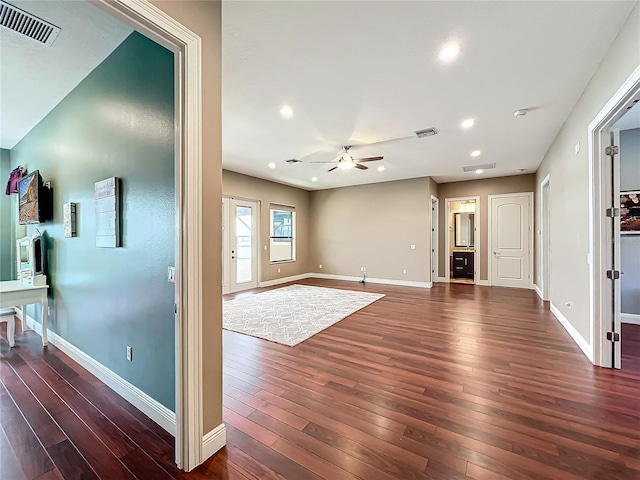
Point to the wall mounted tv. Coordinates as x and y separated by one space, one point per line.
34 200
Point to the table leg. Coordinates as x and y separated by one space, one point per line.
23 322
45 308
11 330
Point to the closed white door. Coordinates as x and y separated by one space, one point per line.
510 243
240 245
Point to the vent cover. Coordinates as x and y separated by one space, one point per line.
26 24
473 168
427 132
293 160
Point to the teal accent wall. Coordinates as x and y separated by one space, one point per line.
6 223
119 121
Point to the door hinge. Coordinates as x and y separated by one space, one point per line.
611 150
613 212
613 274
613 336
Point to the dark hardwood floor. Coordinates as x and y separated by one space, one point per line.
449 383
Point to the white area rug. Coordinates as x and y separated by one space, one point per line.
289 315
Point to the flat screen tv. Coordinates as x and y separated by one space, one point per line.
34 200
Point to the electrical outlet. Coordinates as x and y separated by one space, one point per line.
320 266
278 270
129 353
413 247
404 272
265 248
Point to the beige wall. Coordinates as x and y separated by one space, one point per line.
244 186
373 225
204 19
482 189
569 180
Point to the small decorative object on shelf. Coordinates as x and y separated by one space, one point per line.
630 212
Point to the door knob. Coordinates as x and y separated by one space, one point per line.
495 253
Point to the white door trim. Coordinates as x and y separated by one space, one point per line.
149 20
434 234
545 274
599 257
489 223
476 255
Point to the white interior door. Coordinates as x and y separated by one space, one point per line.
510 239
434 239
239 244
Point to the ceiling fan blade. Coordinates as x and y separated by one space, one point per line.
332 169
368 159
361 167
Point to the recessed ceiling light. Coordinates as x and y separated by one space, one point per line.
476 153
381 168
286 111
479 171
450 52
271 165
468 123
314 179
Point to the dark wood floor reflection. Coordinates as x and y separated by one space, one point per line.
449 383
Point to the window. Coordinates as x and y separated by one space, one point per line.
282 232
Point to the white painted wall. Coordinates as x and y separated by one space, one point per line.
570 174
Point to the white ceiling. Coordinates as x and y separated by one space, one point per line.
362 72
35 77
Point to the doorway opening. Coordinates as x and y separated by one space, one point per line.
463 239
545 239
613 217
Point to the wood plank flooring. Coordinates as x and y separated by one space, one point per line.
455 382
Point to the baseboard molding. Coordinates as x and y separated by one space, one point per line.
442 280
538 291
630 318
278 281
143 402
483 283
214 441
386 281
580 341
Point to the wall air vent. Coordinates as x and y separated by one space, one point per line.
474 168
26 24
427 132
293 160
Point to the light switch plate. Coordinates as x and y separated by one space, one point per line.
171 274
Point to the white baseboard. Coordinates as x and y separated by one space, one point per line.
442 280
483 283
278 281
213 441
580 341
630 318
538 291
387 281
143 402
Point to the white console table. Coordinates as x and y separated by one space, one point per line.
14 293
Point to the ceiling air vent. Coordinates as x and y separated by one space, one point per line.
427 132
473 168
293 160
26 24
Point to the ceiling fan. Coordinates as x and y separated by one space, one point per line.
346 161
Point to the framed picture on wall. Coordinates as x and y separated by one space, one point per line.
630 212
